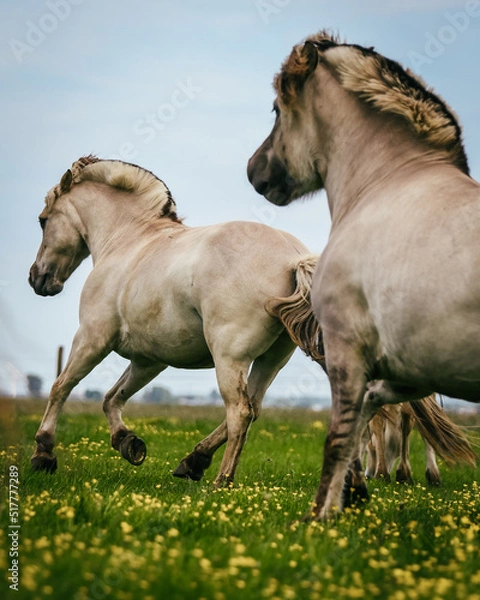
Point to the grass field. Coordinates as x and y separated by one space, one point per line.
100 528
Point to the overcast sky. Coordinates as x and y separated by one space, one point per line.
183 89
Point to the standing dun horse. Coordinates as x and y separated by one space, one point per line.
397 289
164 294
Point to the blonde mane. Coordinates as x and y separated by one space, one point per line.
122 176
382 83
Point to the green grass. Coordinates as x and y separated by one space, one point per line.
100 528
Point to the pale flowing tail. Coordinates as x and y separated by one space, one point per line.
295 311
446 438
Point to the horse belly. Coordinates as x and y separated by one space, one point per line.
436 345
165 334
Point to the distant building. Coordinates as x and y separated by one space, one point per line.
158 395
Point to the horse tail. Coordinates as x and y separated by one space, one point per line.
295 311
446 438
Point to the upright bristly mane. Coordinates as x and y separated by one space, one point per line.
382 83
123 176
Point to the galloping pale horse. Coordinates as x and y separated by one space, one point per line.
397 288
164 294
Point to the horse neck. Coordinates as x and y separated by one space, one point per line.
111 219
365 150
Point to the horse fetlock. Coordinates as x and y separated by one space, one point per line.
193 466
45 442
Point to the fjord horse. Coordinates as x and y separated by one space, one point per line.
397 288
163 294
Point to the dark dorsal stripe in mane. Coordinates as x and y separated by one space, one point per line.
121 175
381 82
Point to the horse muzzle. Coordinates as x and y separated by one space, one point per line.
270 179
44 283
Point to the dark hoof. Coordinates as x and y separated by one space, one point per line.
193 466
133 449
432 478
383 477
403 478
355 495
44 462
354 492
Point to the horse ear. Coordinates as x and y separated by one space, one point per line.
298 67
310 52
66 182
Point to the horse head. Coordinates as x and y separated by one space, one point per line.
336 101
284 166
62 248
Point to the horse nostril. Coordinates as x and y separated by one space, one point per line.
255 174
261 187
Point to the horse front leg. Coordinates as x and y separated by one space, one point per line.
355 485
347 425
135 377
85 354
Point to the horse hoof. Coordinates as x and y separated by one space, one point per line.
432 478
385 477
44 462
133 449
403 478
354 495
193 466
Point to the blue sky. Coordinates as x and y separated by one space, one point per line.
183 89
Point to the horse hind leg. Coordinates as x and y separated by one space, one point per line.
263 372
377 426
195 464
135 377
432 473
404 469
232 382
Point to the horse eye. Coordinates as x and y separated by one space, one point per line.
42 221
275 109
